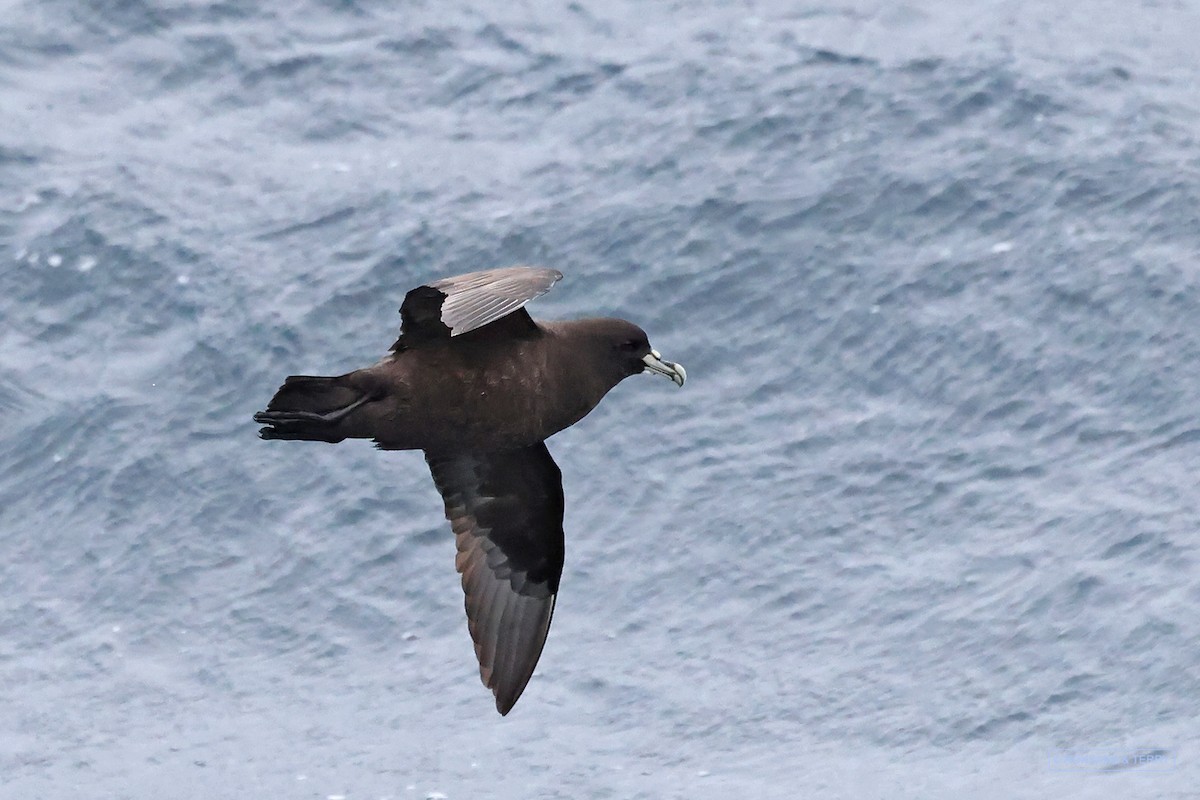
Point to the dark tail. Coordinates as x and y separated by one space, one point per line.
310 408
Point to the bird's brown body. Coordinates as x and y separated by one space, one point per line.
481 380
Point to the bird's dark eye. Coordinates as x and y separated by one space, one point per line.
630 345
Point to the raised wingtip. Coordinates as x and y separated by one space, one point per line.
479 298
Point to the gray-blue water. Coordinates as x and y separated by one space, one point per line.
923 523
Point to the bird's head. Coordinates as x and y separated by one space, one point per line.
626 349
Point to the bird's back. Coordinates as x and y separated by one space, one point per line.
478 394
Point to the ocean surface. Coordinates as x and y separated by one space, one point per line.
922 524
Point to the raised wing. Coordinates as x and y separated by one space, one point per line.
506 510
454 306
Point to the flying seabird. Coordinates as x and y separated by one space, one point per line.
478 385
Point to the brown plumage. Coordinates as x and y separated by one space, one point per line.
478 385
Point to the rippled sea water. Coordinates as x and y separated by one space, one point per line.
922 524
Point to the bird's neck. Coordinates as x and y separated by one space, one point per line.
573 370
